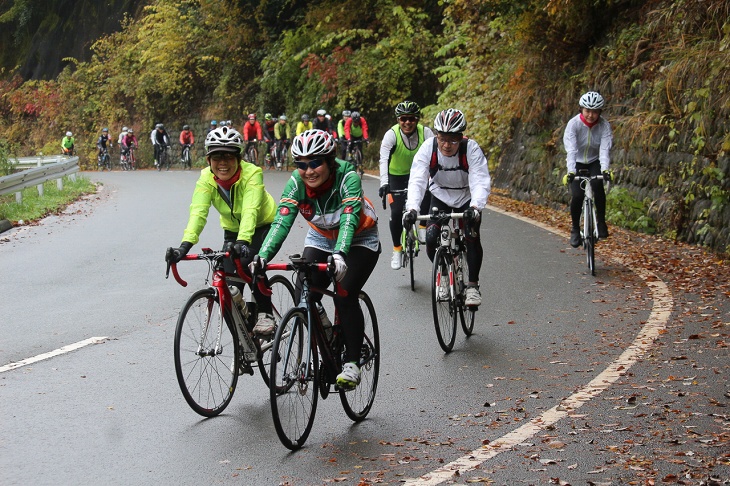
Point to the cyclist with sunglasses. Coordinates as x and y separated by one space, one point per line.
236 190
455 170
328 193
397 150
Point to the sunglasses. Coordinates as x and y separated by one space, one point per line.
312 164
221 157
405 119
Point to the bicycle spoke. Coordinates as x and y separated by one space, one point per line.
206 355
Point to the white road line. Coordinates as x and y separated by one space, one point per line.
51 354
661 309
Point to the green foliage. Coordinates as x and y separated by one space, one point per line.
6 165
625 211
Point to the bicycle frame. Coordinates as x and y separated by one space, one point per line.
219 283
314 323
451 238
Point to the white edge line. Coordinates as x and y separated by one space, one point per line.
51 354
656 323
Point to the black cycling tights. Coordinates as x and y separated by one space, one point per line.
474 251
599 195
360 264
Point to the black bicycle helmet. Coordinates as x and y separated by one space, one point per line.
407 108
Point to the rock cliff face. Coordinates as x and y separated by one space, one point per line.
533 163
38 34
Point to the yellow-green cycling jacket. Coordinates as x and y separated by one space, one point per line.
251 208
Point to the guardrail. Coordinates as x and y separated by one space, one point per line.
61 167
38 161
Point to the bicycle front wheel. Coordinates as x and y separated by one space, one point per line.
294 380
444 304
358 402
411 252
206 354
282 299
466 314
589 237
357 161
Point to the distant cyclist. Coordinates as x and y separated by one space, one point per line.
160 140
268 133
455 170
121 136
321 122
129 141
588 140
304 125
341 133
213 126
187 139
68 143
103 143
252 133
397 150
356 128
282 133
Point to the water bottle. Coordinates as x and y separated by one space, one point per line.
237 297
326 323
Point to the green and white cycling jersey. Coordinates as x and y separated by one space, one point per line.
337 211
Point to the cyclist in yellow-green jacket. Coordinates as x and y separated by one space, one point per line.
236 190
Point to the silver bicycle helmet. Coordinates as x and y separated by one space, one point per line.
321 113
407 108
312 143
450 121
305 118
124 129
223 139
346 113
69 134
592 100
355 116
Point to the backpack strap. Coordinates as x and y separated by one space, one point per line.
434 166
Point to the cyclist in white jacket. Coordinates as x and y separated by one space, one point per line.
587 140
455 171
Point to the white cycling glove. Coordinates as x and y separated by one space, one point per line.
340 267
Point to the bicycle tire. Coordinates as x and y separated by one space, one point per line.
107 161
589 238
411 255
207 374
358 402
466 314
357 161
444 312
187 162
282 299
294 388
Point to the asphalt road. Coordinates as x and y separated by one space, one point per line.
112 412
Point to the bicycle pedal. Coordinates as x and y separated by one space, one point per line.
245 369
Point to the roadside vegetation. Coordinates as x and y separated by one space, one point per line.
34 207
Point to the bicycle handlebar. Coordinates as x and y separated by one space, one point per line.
298 263
395 192
209 256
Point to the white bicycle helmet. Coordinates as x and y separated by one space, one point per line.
321 113
592 100
124 129
450 121
69 134
223 139
312 143
346 113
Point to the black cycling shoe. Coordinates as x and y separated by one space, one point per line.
602 230
575 238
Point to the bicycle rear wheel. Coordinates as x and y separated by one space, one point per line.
294 380
358 402
206 354
357 161
444 308
282 299
589 237
466 314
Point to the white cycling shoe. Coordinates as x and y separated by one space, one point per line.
397 261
